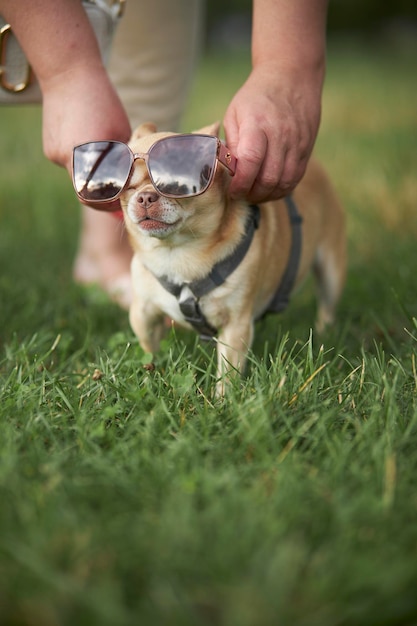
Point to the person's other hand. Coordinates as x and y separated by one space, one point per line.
271 125
79 106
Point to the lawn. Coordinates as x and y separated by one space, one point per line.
130 495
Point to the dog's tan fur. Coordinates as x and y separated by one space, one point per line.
191 235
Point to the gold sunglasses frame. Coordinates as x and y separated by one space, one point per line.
223 155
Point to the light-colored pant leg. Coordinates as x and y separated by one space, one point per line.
153 57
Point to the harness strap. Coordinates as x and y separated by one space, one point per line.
223 268
188 294
281 298
191 310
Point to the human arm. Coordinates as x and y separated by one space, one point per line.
79 102
272 122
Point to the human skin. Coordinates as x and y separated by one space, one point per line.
270 124
79 102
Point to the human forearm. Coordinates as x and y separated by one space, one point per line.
55 35
290 34
79 101
272 122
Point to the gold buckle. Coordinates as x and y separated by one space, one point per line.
5 33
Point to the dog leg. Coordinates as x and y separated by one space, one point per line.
147 322
233 344
329 269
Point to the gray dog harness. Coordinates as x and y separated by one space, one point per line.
189 294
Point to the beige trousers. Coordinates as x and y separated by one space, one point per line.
153 57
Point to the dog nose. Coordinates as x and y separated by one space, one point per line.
146 198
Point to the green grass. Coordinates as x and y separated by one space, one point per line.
130 496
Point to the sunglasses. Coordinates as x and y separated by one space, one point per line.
179 166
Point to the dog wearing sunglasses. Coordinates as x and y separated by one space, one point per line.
217 265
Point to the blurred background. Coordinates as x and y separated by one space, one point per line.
228 24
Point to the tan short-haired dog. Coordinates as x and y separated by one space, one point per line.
216 264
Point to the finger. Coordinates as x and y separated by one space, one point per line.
250 152
268 182
275 185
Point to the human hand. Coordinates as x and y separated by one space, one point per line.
79 101
79 106
271 125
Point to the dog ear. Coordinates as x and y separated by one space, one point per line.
213 129
148 128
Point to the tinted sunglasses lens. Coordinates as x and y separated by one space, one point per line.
101 169
182 165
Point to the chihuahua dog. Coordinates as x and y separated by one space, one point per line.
216 264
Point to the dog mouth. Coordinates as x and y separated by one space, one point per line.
150 224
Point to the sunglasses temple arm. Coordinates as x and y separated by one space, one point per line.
226 158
